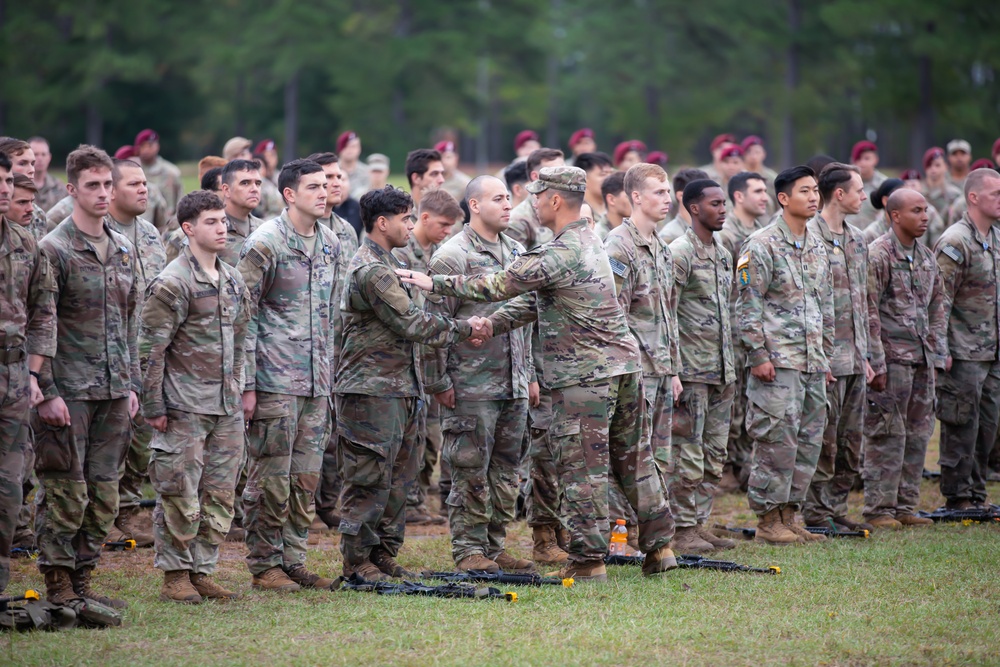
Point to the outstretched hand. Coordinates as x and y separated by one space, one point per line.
421 280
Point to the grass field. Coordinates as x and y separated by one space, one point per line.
916 597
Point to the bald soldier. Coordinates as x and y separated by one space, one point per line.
592 361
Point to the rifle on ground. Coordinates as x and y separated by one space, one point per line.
504 578
750 533
452 590
984 514
691 562
121 545
931 474
147 502
38 614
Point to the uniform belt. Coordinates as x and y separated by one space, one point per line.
12 355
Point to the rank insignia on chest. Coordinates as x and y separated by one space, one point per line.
124 255
836 246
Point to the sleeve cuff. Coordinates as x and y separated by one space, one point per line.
758 356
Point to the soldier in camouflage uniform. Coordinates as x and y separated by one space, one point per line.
864 156
907 332
842 193
968 394
594 363
128 202
675 228
703 283
22 160
940 193
378 386
163 174
748 193
50 188
290 266
524 225
28 337
82 428
455 181
616 202
484 391
785 308
194 325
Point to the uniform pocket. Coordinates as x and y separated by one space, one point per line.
269 429
567 445
463 447
168 463
683 419
363 463
53 447
953 404
881 416
766 406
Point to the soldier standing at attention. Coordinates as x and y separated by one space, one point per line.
907 338
968 393
484 391
682 221
785 311
940 193
191 349
22 159
842 193
703 282
165 175
592 362
356 171
617 203
91 385
864 156
378 385
50 188
290 267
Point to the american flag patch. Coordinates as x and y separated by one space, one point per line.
952 252
382 284
618 268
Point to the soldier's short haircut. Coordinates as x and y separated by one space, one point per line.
694 191
12 147
118 165
293 172
685 176
974 181
25 183
323 159
83 158
211 180
537 157
440 202
817 162
234 166
418 162
195 203
475 188
897 198
883 191
637 174
833 176
613 185
387 202
741 182
588 161
5 163
516 173
786 179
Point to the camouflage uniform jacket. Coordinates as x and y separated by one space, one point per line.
290 338
177 240
785 305
570 291
59 212
935 228
381 327
673 230
39 225
157 211
167 177
413 256
942 197
191 340
455 185
525 228
644 282
98 309
50 193
146 240
603 227
502 368
868 213
906 321
970 270
703 283
27 303
855 254
360 179
271 202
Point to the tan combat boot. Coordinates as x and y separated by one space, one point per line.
913 520
274 579
788 518
421 516
136 524
306 579
209 589
384 561
81 585
510 563
585 571
884 521
546 549
659 561
563 538
478 562
687 540
177 588
59 586
716 541
770 530
366 571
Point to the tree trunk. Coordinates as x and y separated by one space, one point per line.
483 93
290 149
788 135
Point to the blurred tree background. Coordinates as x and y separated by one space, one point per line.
808 75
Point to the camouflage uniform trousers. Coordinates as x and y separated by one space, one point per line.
700 433
786 419
739 449
598 431
379 440
14 390
658 426
898 425
969 408
25 530
840 459
482 444
286 441
77 468
193 468
429 451
134 469
542 498
330 483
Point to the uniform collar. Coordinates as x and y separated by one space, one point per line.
294 241
786 233
480 246
576 224
382 254
199 272
901 252
701 249
637 237
80 242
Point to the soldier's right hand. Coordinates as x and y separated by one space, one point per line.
878 382
54 412
249 404
764 372
446 398
159 423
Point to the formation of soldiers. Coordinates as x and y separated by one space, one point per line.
549 334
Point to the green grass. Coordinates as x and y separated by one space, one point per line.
916 597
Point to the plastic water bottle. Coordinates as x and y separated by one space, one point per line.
619 539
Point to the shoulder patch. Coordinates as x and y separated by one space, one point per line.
952 252
383 283
618 267
744 272
258 255
744 261
165 295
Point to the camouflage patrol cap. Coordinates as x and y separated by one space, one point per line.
568 179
